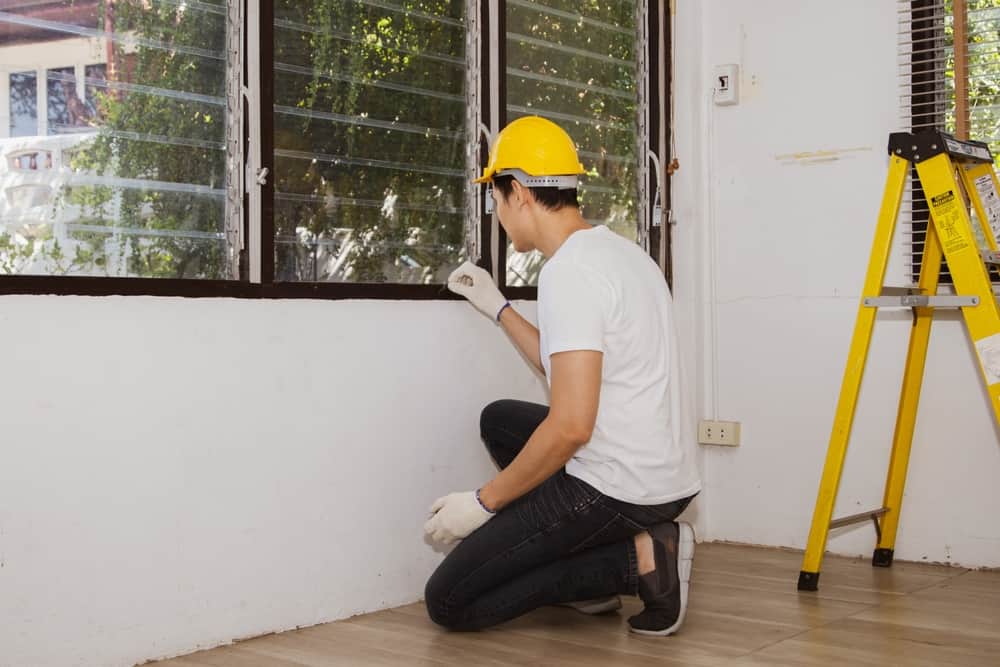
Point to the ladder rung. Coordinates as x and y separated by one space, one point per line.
991 258
872 515
889 290
921 301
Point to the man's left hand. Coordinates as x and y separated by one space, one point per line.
456 516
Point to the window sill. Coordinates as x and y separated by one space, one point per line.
92 286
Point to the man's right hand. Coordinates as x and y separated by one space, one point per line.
476 285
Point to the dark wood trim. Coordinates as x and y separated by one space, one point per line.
653 60
526 293
173 287
486 222
502 240
267 140
244 263
661 113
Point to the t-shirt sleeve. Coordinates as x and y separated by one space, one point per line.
572 303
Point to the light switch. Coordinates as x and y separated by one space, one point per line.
726 85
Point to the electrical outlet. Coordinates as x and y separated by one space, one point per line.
719 433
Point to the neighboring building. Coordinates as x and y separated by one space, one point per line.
52 63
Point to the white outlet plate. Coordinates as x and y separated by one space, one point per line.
712 432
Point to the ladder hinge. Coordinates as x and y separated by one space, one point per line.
922 146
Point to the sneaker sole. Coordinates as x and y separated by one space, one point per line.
594 607
686 557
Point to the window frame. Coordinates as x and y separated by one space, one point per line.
257 265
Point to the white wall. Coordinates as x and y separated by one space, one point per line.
791 242
177 473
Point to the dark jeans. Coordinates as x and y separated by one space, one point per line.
562 542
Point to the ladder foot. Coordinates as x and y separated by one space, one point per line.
882 558
808 581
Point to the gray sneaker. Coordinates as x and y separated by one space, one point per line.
665 590
595 606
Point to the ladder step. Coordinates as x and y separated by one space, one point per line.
891 290
920 301
990 258
872 515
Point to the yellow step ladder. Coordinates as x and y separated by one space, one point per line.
953 174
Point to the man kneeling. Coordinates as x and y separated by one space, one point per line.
584 507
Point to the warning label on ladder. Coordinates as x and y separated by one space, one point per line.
948 217
990 201
946 198
989 356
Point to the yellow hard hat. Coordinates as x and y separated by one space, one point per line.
537 152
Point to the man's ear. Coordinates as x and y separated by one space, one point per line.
520 194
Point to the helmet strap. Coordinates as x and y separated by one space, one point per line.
567 182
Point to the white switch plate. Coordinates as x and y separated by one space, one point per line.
726 84
712 432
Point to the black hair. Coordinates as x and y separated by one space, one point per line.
552 199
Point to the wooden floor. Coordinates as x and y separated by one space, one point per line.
744 610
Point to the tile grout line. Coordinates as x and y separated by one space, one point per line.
943 581
869 607
866 607
806 631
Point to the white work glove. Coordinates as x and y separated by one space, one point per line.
476 285
455 517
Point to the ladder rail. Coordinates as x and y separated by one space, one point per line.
909 401
982 179
969 274
853 373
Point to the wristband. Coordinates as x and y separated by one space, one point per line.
502 308
480 500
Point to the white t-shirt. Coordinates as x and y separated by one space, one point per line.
601 292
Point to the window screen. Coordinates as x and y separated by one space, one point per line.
369 140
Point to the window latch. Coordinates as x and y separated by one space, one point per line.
657 209
262 176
